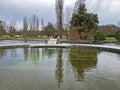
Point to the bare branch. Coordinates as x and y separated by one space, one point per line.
25 24
59 16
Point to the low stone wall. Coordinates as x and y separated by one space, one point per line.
14 46
100 47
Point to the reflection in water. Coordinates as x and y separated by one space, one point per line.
9 52
13 52
59 68
38 54
2 53
82 59
31 54
34 55
26 55
48 52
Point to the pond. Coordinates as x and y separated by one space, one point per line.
59 69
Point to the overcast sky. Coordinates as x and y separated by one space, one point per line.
108 10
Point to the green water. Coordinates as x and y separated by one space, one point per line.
59 69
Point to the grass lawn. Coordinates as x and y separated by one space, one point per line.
21 38
108 39
36 38
111 39
90 38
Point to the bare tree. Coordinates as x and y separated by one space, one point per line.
59 15
34 23
37 24
25 27
12 27
30 25
34 19
2 27
68 12
25 24
42 23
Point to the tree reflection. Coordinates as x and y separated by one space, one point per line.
59 68
2 53
26 51
49 52
37 54
13 52
31 54
82 59
34 55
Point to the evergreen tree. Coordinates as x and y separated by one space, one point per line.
83 20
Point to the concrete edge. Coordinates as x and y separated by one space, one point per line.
100 47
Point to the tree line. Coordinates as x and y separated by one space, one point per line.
28 25
78 23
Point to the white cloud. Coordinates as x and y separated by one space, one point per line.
69 3
17 9
107 10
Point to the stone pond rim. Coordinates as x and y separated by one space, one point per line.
101 47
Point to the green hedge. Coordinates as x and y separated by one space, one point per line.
99 36
117 36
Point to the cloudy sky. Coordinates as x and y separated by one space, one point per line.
108 10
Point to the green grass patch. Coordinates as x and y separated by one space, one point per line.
6 38
90 38
111 39
108 39
36 38
28 38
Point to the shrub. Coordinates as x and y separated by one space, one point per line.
117 36
99 36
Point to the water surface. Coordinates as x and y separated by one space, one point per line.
59 69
